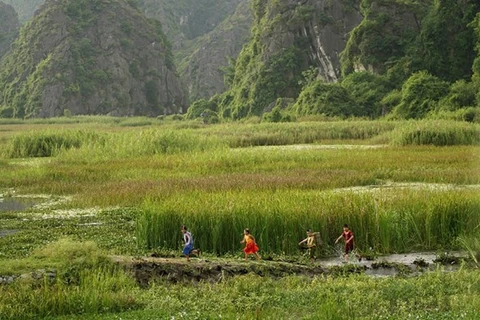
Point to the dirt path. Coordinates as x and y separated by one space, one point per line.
214 270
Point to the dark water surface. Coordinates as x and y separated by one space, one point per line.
16 204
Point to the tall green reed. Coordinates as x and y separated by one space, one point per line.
438 133
386 221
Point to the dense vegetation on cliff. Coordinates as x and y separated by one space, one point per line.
284 59
400 60
90 57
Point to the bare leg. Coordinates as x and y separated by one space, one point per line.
256 255
196 252
246 257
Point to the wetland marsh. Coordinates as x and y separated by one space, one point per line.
84 200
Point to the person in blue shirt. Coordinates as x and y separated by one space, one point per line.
188 249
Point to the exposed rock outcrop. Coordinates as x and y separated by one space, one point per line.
289 37
204 35
90 57
9 26
203 70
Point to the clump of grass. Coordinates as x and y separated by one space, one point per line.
407 221
438 133
46 143
471 243
136 122
245 135
87 281
99 290
148 142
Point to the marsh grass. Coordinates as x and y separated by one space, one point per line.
99 290
86 281
399 221
436 295
47 143
438 133
264 134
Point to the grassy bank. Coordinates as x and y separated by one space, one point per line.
435 295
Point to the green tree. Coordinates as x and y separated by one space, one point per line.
325 98
367 90
420 95
198 108
446 40
476 63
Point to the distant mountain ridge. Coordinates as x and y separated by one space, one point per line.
203 34
90 57
9 26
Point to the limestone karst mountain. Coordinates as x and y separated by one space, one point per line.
9 26
90 57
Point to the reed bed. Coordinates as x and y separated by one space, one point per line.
386 221
264 134
193 137
47 143
438 133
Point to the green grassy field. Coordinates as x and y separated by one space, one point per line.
131 183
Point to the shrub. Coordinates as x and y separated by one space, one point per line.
367 90
420 95
325 98
45 144
461 95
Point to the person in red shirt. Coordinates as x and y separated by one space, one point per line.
347 236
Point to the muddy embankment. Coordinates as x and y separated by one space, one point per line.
176 270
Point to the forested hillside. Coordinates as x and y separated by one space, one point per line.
284 59
204 34
365 58
9 26
90 57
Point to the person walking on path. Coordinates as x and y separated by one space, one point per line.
347 236
250 245
310 243
188 248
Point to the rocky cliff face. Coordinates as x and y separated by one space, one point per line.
289 37
388 28
204 34
203 70
90 57
9 26
25 8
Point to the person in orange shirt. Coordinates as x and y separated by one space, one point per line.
250 245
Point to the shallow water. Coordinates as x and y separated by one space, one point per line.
408 259
11 204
